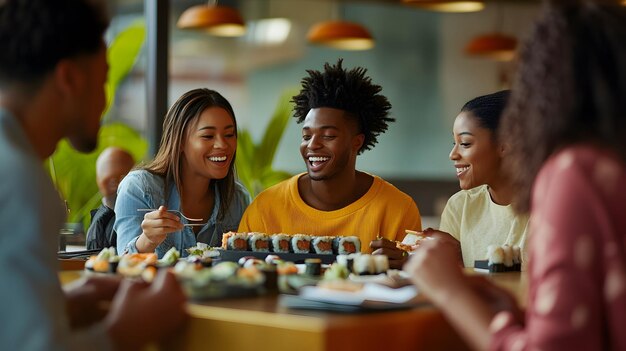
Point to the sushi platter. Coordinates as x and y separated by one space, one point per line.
252 264
235 256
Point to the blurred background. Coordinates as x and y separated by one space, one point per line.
420 58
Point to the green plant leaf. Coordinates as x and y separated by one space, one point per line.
243 163
121 56
274 132
254 162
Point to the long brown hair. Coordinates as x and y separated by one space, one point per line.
571 87
168 163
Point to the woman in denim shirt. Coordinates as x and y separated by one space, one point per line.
193 172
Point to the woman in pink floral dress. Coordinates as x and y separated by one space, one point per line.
566 126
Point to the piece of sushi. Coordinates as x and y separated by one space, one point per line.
259 242
237 242
381 263
322 245
364 264
345 245
495 256
301 243
508 257
313 266
280 243
225 237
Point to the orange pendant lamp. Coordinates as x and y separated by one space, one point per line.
447 5
495 46
341 35
222 21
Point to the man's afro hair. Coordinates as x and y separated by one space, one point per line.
347 90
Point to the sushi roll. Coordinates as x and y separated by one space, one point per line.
508 257
280 243
517 259
313 266
381 263
345 245
242 261
259 242
342 260
495 256
364 265
323 245
237 242
301 243
272 259
225 237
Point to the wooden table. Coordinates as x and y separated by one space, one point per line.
71 264
261 324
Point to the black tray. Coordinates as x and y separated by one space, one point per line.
234 256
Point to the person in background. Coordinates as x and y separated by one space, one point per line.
193 172
567 157
343 113
112 166
52 74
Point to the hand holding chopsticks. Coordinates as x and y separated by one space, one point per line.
158 224
179 213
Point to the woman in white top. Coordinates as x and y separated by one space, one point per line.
480 214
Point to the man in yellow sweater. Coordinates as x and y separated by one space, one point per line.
343 114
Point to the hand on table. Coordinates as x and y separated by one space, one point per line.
156 225
397 257
143 313
84 299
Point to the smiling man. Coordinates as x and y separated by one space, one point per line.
52 73
343 114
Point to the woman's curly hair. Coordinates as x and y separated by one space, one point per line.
347 90
570 88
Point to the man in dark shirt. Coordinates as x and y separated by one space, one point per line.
112 165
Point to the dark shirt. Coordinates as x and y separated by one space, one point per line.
100 233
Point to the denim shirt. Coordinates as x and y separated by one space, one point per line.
142 189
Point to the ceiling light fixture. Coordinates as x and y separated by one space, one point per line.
495 46
341 35
222 21
447 5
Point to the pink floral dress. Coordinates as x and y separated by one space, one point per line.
577 264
